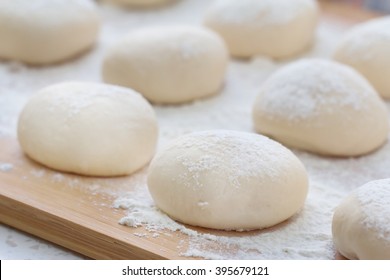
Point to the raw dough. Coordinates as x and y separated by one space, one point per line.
88 129
361 223
323 107
173 64
46 31
366 48
139 3
275 28
227 180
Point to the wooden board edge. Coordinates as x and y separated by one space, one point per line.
68 234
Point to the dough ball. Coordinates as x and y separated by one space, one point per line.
227 180
366 48
361 223
88 129
140 3
275 28
168 64
322 107
46 31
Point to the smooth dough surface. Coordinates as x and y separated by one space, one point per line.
88 129
227 180
139 3
275 28
172 64
322 107
361 223
366 48
46 31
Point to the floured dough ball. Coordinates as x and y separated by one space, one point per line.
227 180
46 31
366 48
139 3
168 64
275 28
361 223
323 107
88 129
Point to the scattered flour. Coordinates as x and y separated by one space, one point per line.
39 173
58 177
6 167
249 154
140 234
363 39
263 12
81 98
307 235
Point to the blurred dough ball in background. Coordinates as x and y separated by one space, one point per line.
88 129
367 49
168 65
139 3
275 28
47 31
323 107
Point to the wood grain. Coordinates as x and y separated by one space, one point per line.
32 198
345 13
74 217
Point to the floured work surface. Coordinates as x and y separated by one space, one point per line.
84 214
73 211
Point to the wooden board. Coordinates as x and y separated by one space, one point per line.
68 210
77 217
32 200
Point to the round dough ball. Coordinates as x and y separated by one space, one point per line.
322 107
168 64
139 3
227 180
46 31
275 28
88 129
366 48
361 223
